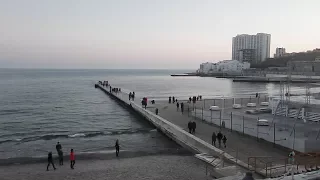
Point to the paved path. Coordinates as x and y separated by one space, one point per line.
246 146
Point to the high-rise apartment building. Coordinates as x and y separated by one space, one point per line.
280 52
259 42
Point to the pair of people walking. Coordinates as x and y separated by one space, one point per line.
220 137
192 127
60 153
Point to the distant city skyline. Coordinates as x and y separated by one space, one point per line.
166 34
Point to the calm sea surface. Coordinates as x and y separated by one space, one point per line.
40 107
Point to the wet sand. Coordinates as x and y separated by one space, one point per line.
165 167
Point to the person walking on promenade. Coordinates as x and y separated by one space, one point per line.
214 138
58 147
177 106
72 159
219 137
117 148
182 107
224 140
50 161
130 96
173 99
190 127
60 153
194 126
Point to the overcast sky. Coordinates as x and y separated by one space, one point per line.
176 34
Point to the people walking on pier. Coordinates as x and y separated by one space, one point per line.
194 99
177 106
224 140
194 126
219 137
190 127
117 148
144 102
58 147
182 107
50 161
60 153
214 139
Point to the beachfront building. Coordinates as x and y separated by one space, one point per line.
259 42
226 67
280 52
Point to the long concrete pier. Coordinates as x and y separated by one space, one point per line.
174 124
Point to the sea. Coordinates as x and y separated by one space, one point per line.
40 107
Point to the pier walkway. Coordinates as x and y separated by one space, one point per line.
260 157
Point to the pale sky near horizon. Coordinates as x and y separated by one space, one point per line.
174 34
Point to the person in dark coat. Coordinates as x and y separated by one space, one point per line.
50 161
214 138
219 137
189 99
58 147
177 106
182 107
133 95
194 126
190 127
224 140
130 96
170 99
248 176
117 148
60 153
173 99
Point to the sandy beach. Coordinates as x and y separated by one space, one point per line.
164 167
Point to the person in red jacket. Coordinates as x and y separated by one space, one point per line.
72 159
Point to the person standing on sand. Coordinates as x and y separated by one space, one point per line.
224 140
214 138
117 148
177 106
50 161
58 147
72 159
60 153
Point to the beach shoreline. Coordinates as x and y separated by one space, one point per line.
164 167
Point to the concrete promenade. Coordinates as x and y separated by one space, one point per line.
256 155
238 146
283 131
